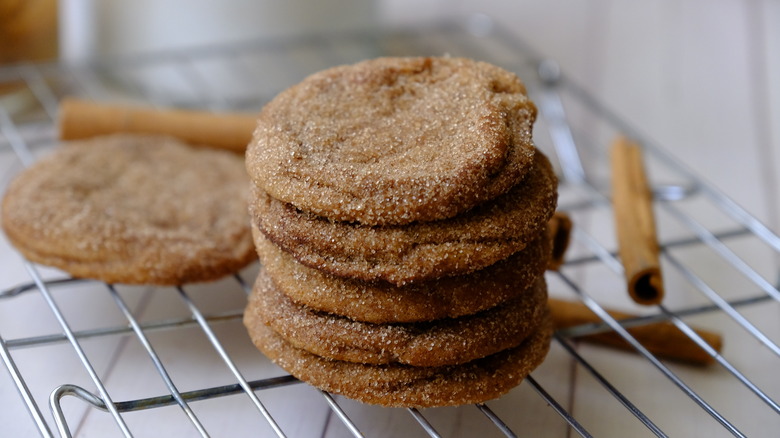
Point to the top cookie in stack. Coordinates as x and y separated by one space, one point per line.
394 141
395 183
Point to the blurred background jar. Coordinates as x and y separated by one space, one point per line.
29 32
120 27
131 30
80 31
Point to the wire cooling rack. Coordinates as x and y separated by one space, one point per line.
90 359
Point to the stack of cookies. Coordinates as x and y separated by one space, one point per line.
400 208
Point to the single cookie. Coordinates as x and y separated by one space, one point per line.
380 302
390 141
133 209
449 341
402 385
419 251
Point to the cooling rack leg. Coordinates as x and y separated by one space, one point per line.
24 391
77 347
72 390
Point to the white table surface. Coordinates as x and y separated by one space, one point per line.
700 78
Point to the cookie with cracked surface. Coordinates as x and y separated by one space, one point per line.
419 251
448 341
133 209
391 141
401 385
381 302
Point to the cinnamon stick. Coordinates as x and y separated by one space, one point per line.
83 119
559 230
663 339
635 223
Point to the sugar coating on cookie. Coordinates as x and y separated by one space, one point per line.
399 385
394 140
133 209
380 302
419 251
448 341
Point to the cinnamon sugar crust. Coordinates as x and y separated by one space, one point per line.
380 302
400 210
133 209
399 385
419 251
391 141
448 341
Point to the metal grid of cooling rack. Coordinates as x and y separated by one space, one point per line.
95 359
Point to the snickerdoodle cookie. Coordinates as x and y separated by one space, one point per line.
407 386
392 141
448 341
133 209
418 251
381 302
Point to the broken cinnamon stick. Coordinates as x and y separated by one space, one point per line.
663 339
635 223
80 119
